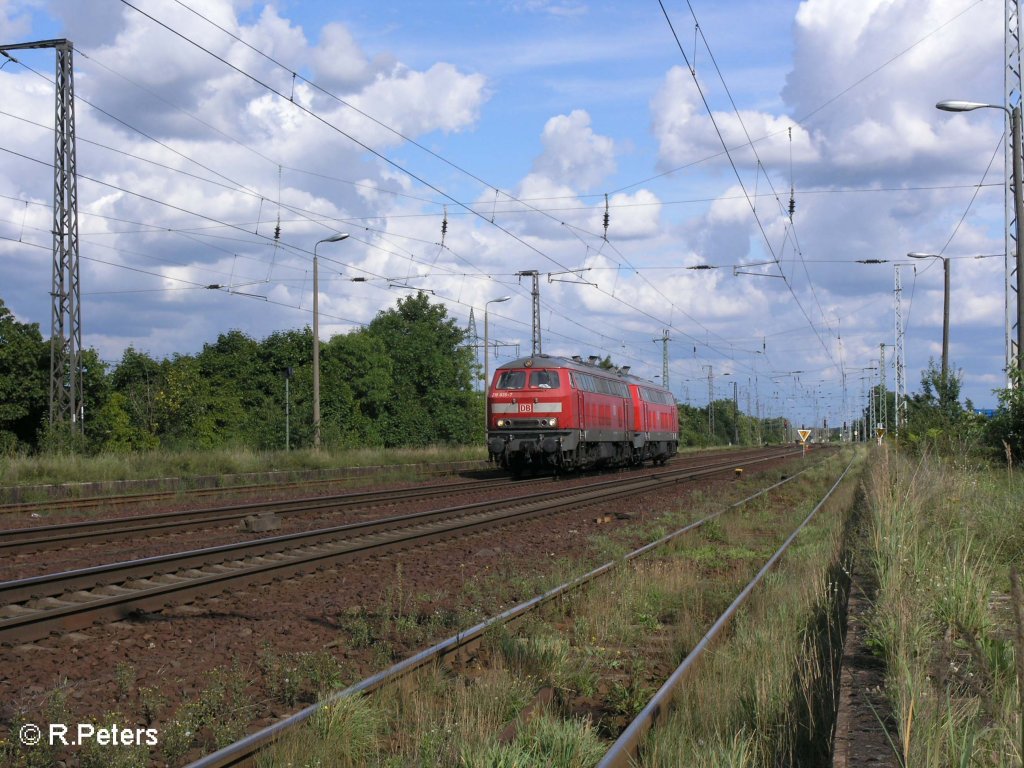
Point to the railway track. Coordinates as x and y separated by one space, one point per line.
623 752
36 606
66 535
72 504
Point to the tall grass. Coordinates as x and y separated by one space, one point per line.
765 695
942 542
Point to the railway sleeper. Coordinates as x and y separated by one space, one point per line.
111 590
15 611
79 597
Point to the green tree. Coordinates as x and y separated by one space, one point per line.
24 381
138 378
693 426
182 405
236 388
357 390
280 353
1005 431
432 374
115 431
935 418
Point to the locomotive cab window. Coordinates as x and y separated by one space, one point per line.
511 380
544 379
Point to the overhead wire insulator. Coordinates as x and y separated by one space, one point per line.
607 216
444 225
277 229
792 194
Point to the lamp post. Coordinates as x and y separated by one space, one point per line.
711 397
316 339
1018 206
487 371
945 306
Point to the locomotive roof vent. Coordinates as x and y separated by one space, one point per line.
625 368
577 358
592 360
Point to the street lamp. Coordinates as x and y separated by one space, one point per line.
735 410
487 372
316 340
945 307
1018 206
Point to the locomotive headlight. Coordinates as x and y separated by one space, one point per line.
549 422
502 423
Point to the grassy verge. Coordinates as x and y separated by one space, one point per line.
184 464
943 541
765 696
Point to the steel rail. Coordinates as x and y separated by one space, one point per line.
153 583
62 535
624 751
355 473
243 751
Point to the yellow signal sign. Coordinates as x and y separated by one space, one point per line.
804 434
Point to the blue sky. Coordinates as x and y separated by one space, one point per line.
529 112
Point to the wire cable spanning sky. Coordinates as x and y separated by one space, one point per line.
784 162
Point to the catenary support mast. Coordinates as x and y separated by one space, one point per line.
66 319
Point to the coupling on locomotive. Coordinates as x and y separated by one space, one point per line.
546 412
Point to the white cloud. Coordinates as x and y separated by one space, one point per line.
340 61
686 135
415 103
573 153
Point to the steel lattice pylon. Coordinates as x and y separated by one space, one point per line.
664 356
883 404
1012 94
66 402
535 293
900 405
472 337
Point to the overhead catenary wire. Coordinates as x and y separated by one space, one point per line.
379 155
735 169
636 268
363 145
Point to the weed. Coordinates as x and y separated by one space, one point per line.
545 740
356 622
152 703
630 697
95 754
124 678
713 531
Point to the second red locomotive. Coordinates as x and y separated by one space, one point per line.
553 412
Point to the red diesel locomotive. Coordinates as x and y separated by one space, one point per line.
552 412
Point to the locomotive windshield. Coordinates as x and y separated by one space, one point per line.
544 379
511 380
537 380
